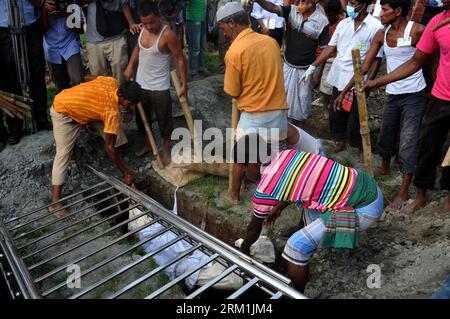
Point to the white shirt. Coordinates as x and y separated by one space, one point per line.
345 39
271 20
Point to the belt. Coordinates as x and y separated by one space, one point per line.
296 66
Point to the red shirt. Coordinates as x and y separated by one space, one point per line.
432 41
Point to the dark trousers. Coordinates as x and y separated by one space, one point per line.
159 102
8 82
36 62
402 113
341 120
434 131
67 74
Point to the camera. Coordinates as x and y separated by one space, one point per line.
61 5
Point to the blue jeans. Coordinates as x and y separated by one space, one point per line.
196 41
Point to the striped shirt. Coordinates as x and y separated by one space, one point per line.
312 181
92 101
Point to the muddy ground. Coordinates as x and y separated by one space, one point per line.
412 251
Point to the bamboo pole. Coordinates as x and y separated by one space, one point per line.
187 114
234 123
7 111
150 137
183 102
7 106
362 110
16 102
12 105
17 97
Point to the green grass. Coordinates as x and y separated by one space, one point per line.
83 39
212 62
347 162
51 92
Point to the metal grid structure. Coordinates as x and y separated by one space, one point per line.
36 250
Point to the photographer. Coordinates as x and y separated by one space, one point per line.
106 46
36 64
61 45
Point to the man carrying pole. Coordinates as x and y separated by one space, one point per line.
436 120
156 44
406 101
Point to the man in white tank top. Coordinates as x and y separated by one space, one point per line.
406 101
155 47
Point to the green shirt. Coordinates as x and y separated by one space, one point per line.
196 10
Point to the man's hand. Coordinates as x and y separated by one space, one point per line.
308 73
338 102
183 90
135 28
265 30
315 80
371 84
50 6
274 214
128 179
128 73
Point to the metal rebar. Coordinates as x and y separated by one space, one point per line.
154 272
73 224
212 282
89 240
127 267
56 202
182 277
57 210
244 288
111 259
18 267
264 273
74 234
277 295
115 241
62 219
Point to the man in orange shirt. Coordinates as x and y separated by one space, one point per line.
254 77
95 102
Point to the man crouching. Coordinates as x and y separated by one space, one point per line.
338 201
95 102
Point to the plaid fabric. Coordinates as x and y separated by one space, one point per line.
347 102
302 244
341 229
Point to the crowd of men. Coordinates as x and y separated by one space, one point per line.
274 55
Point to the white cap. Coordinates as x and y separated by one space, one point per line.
228 9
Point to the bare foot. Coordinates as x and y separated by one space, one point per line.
384 172
415 205
398 202
385 168
447 205
227 196
62 213
144 150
